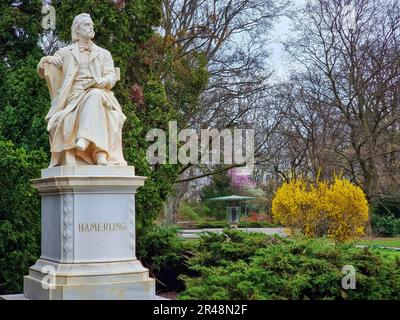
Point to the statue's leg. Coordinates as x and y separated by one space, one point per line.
93 122
70 157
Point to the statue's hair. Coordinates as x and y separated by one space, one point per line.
75 24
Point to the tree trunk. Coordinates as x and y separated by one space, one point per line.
172 203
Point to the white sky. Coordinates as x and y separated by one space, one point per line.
278 34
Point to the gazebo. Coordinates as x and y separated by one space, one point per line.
233 207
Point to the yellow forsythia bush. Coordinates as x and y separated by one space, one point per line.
338 209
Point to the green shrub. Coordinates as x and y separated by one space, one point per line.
236 265
19 214
211 224
188 212
165 254
231 245
387 205
386 225
256 224
207 212
385 214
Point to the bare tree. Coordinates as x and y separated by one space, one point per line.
232 35
343 114
349 83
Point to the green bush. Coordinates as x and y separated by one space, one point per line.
211 224
387 205
19 214
165 254
237 265
385 214
229 246
188 212
387 225
256 224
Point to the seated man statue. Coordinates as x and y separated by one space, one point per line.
85 119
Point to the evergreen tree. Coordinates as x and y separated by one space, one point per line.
23 105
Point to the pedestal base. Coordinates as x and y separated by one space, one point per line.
88 236
48 280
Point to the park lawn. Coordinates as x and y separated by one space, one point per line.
388 253
384 242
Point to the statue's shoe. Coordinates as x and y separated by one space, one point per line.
101 158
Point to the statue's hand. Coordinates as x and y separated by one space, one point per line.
57 61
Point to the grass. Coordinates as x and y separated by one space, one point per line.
384 242
389 253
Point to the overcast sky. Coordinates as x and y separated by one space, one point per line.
278 34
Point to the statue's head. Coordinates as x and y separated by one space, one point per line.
82 27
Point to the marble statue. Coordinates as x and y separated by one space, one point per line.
85 119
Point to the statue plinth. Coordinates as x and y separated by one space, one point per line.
88 236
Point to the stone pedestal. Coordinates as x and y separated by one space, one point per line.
88 236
